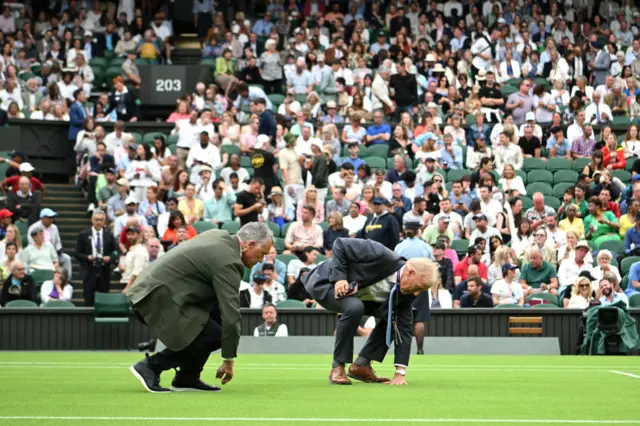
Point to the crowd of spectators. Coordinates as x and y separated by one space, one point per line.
410 124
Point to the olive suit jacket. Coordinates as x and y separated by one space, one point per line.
177 293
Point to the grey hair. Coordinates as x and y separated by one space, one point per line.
255 231
64 276
15 264
534 250
97 212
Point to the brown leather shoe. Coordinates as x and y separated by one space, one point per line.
339 377
365 374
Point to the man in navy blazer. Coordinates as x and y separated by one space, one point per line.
77 115
383 280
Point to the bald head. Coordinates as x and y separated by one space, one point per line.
473 271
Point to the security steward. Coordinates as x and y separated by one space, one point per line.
381 226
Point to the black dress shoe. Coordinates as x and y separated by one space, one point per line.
149 378
191 384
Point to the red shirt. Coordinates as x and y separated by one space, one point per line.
463 267
172 235
616 159
613 208
12 181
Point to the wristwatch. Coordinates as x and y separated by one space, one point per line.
401 372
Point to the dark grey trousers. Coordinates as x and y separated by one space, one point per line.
352 310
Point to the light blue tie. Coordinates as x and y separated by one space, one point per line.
390 314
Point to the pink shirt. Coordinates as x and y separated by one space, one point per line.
452 256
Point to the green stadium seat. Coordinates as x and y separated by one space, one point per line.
111 73
552 298
620 121
509 306
26 75
208 61
545 306
286 258
98 62
562 176
41 275
245 161
138 137
627 263
279 245
231 227
275 228
625 282
376 162
285 229
629 166
623 175
552 202
362 153
276 99
21 304
529 164
324 225
613 246
515 82
460 246
554 164
290 304
111 308
523 175
558 189
230 149
148 138
542 187
173 140
527 202
537 176
508 90
634 301
454 175
580 163
202 226
381 151
58 304
321 258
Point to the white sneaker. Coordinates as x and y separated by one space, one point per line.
91 207
169 61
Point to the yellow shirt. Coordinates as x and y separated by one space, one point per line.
577 226
197 212
148 51
625 224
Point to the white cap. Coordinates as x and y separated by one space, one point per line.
130 200
317 143
331 104
235 28
430 58
261 141
26 168
530 116
205 168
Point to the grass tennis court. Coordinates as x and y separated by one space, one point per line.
92 389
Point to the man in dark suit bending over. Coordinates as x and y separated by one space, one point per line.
386 287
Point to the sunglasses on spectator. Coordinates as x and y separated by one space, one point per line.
584 286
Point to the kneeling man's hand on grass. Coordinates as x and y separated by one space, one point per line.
225 372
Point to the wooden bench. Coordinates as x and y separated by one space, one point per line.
531 326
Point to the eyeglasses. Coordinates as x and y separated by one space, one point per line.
540 235
584 286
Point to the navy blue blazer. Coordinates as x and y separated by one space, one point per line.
77 116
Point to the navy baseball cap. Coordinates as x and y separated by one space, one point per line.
509 267
379 200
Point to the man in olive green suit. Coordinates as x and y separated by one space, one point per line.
189 298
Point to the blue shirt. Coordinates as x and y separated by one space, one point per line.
280 270
616 298
634 275
262 27
357 162
109 41
375 130
564 146
453 163
462 199
411 248
631 237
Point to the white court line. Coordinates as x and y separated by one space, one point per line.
465 369
323 420
622 373
240 364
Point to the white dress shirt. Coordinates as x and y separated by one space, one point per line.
209 155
